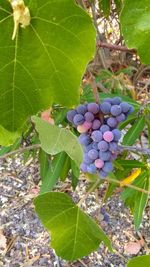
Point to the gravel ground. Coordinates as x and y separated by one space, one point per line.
27 243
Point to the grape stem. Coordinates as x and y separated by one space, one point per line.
93 84
136 149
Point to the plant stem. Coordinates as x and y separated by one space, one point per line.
20 150
115 47
129 185
136 149
93 84
88 192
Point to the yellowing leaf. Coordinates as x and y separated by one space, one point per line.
130 178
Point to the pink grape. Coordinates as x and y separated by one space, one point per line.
108 136
99 163
84 127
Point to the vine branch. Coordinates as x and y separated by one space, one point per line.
115 47
136 149
20 150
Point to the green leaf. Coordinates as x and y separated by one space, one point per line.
74 234
134 132
130 163
44 163
65 169
104 6
75 172
45 62
55 140
7 138
119 5
135 24
53 173
139 261
140 203
131 118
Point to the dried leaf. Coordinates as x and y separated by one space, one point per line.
131 177
132 248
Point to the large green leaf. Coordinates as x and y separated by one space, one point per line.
140 203
139 261
134 132
55 140
135 23
130 163
74 234
45 62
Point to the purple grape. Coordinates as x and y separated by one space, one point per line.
125 107
78 119
116 110
91 168
86 159
112 122
95 145
70 115
96 124
116 100
105 107
105 156
104 128
96 136
84 139
93 107
93 154
117 134
103 146
81 109
89 116
88 148
113 146
102 174
130 110
108 136
83 167
108 99
108 167
121 117
99 163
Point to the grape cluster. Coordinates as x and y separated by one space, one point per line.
99 136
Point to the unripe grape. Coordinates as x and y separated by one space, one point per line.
78 119
113 146
116 110
104 128
108 136
105 156
112 122
116 100
89 116
125 107
99 163
105 107
83 167
91 168
81 109
84 139
96 124
70 115
84 127
93 154
86 159
102 174
108 167
121 117
96 136
117 134
93 107
103 146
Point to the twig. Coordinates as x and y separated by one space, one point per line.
88 192
135 148
115 47
129 185
93 84
20 150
